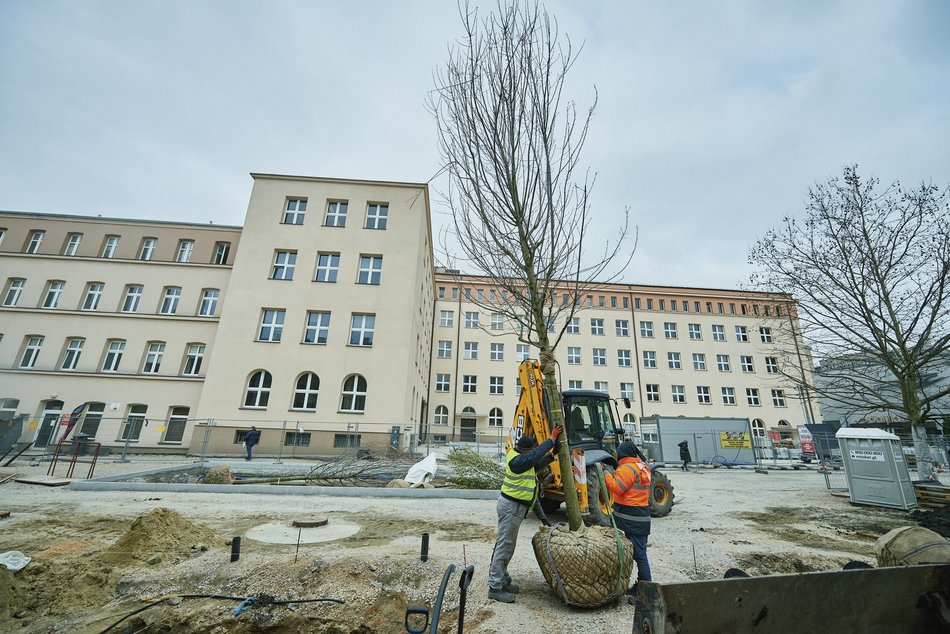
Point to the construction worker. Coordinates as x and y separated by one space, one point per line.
630 485
519 494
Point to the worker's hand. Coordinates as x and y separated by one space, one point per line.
555 433
547 523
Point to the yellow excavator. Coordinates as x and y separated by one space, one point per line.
592 432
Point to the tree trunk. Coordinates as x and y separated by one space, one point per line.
925 461
571 503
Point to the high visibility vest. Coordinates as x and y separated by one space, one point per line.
632 478
519 486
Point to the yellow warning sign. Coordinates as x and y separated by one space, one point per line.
735 440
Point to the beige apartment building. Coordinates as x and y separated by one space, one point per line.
324 322
671 351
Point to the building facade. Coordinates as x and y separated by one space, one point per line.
324 322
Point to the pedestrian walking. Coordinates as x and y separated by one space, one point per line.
250 439
684 455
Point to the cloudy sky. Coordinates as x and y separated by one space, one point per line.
713 120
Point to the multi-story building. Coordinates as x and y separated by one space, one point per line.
669 351
324 322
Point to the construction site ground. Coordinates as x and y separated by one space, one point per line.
98 556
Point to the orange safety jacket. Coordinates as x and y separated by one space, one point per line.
630 484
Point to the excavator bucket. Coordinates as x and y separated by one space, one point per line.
891 600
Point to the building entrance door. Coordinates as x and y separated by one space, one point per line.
468 430
50 423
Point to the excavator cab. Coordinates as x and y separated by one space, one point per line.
590 420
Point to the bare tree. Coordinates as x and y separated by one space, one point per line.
870 269
511 143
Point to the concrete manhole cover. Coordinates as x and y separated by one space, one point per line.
284 533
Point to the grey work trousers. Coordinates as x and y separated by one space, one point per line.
510 516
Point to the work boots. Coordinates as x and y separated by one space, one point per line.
501 595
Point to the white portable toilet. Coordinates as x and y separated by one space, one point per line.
875 467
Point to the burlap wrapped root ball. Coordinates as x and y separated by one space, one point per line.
581 566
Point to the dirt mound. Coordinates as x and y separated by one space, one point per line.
9 596
218 475
164 533
937 520
757 564
60 549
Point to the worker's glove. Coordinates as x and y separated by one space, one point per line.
547 523
555 433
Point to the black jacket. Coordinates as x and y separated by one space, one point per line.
684 452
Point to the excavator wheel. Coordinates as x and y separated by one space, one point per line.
661 496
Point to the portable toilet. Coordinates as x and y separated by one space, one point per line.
875 467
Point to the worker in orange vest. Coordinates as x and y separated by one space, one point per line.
630 485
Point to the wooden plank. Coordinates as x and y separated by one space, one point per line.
46 481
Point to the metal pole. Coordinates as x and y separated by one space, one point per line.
128 439
280 444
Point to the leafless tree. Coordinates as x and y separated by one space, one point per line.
870 269
511 143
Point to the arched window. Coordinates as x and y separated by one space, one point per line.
306 391
354 394
495 417
8 408
92 418
258 389
468 410
629 419
441 415
758 427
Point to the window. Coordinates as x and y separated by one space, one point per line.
728 396
336 214
649 359
185 249
72 244
626 391
36 239
446 318
469 383
93 295
147 251
306 391
284 264
110 246
328 265
258 390
573 385
673 361
646 329
221 252
71 355
497 352
719 332
550 321
771 365
649 304
699 361
722 362
573 355
377 215
623 327
702 395
177 421
371 269
133 296
297 439
601 386
14 290
496 385
742 334
272 324
695 332
442 382
745 362
193 359
445 349
653 393
623 358
170 300
597 326
471 319
765 334
522 351
153 357
53 292
778 398
678 393
362 327
295 211
574 326
92 418
497 321
669 330
471 350
495 417
31 351
600 356
350 441
3 233
441 416
209 302
752 395
114 350
134 421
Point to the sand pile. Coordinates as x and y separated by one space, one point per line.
218 475
9 597
161 535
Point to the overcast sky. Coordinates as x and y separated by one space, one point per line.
713 120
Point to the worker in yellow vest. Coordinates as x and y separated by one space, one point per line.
519 494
